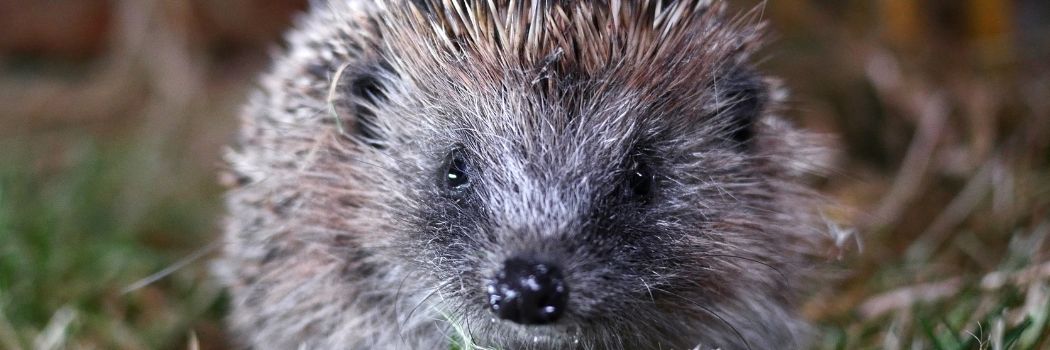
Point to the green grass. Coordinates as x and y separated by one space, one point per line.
73 237
1011 317
986 287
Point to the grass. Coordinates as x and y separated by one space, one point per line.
971 314
73 238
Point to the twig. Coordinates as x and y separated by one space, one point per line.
932 113
903 298
170 269
958 210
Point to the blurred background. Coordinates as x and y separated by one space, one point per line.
114 114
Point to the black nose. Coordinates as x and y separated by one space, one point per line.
528 292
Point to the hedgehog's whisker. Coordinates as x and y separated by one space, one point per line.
427 297
771 267
714 314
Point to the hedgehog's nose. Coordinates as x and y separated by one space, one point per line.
528 292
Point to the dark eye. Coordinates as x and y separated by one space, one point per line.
640 179
456 173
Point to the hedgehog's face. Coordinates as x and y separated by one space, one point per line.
579 215
555 198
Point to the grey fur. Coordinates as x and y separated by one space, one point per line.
339 235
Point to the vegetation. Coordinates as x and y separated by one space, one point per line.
75 240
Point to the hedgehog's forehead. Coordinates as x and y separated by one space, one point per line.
647 40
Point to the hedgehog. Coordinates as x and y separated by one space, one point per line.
523 174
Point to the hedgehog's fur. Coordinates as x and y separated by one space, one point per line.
340 236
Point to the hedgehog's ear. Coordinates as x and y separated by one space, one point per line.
365 92
741 100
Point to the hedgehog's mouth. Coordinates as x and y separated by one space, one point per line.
565 335
552 336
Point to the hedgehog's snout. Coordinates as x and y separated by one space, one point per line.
528 292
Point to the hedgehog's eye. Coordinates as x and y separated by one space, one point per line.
640 179
456 175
